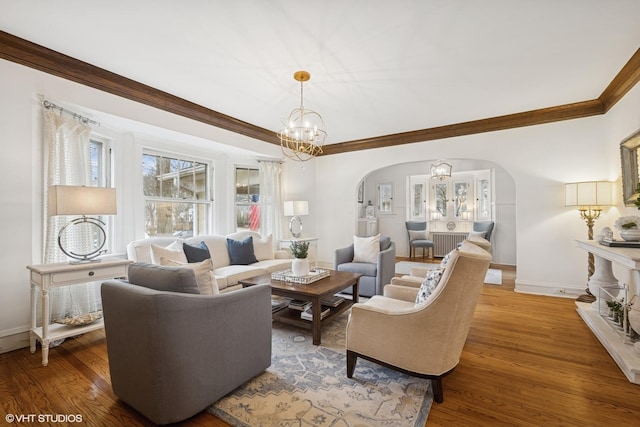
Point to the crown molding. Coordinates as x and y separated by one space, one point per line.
35 56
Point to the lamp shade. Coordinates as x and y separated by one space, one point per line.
589 193
296 208
80 200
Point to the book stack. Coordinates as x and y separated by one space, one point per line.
278 303
333 301
299 305
307 314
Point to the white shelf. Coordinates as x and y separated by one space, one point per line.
624 354
58 331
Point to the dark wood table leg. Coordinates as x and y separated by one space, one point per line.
354 291
316 322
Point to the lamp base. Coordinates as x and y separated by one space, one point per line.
586 297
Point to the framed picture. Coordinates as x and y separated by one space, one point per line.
361 192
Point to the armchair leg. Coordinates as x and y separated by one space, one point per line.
436 384
351 363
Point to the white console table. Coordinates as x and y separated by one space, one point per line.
47 276
622 353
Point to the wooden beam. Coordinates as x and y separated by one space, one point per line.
26 53
622 82
528 118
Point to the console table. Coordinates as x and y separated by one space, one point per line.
623 354
47 276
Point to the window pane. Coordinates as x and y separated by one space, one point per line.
170 219
150 180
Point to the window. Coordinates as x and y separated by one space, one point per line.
176 191
99 162
247 199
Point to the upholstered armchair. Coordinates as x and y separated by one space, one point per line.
484 226
422 339
418 237
375 273
173 352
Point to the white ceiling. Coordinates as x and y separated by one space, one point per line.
377 66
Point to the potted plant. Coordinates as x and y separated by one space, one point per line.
300 264
629 227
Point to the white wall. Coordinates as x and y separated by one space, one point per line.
540 159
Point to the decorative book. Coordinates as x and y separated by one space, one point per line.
619 243
313 276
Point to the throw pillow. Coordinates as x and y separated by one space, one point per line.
173 251
366 249
429 284
263 248
196 253
204 276
418 235
241 251
446 258
480 234
163 278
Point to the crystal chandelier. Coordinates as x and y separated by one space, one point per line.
441 171
303 135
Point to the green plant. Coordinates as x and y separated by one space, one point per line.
299 249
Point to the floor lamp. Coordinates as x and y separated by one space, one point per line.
590 197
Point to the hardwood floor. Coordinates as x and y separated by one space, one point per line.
528 361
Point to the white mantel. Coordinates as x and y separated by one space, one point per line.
622 352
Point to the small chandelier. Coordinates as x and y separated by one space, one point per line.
303 135
441 170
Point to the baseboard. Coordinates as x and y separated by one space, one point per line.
14 341
548 289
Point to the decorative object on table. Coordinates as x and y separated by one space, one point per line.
300 265
296 209
633 314
629 228
590 197
289 276
441 170
303 134
83 238
80 320
369 210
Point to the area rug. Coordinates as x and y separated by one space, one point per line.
493 277
307 385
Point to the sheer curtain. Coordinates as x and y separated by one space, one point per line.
66 148
271 199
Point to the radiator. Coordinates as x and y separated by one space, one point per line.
443 243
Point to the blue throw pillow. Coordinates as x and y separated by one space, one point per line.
241 251
196 253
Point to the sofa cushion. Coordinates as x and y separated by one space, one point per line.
204 275
197 253
429 284
163 278
364 268
174 251
271 265
366 249
480 234
241 251
229 275
263 248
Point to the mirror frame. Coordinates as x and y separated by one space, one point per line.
629 162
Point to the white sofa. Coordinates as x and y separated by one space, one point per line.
227 276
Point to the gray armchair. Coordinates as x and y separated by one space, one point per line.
417 241
374 275
486 226
173 354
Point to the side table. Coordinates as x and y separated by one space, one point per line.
47 276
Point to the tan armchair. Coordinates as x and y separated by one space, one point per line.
423 340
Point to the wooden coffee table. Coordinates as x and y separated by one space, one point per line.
314 292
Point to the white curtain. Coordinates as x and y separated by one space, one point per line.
271 199
66 148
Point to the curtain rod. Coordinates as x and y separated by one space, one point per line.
50 105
